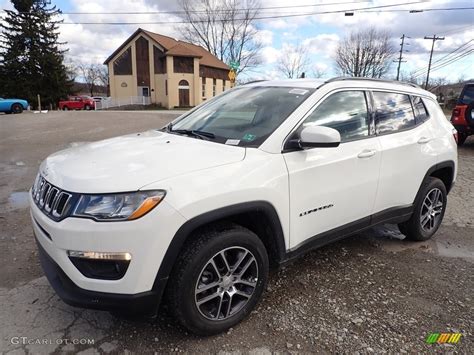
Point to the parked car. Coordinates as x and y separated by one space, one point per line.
13 105
462 117
99 98
77 103
195 212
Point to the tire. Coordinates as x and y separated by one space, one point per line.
194 307
17 108
427 216
87 108
461 139
65 108
468 115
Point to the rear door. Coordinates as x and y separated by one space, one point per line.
406 151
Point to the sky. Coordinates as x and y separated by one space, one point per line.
318 33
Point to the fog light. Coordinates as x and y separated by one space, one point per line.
99 255
100 265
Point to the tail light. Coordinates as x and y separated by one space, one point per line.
455 115
455 135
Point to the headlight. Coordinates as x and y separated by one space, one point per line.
118 207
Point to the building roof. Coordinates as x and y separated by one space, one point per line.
175 47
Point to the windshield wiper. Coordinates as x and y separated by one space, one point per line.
193 133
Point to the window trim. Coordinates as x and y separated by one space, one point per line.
428 116
371 91
370 112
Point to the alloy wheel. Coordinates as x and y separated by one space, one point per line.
226 283
430 215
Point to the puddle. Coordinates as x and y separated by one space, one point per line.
392 241
18 200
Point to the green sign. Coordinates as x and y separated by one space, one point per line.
234 65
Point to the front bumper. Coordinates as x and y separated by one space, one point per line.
69 292
147 239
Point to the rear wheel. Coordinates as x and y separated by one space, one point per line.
65 108
218 279
428 212
87 107
17 108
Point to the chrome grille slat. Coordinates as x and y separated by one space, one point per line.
51 200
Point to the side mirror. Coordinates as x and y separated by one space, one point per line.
316 137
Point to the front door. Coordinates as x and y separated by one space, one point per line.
332 187
183 90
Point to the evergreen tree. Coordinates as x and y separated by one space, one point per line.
31 60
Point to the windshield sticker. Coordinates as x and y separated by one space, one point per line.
298 91
249 137
232 141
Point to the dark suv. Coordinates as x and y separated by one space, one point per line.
463 114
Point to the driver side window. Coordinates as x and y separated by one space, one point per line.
346 112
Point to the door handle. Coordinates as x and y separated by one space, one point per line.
367 153
423 140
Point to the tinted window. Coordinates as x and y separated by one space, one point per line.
467 95
393 112
421 115
345 111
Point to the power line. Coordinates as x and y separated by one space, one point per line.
217 10
255 18
448 62
437 61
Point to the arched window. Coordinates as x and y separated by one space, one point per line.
184 84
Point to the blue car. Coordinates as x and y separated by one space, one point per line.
13 105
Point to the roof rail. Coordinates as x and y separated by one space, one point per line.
341 78
254 81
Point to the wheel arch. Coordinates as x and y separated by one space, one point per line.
258 216
443 171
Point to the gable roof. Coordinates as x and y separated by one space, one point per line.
175 47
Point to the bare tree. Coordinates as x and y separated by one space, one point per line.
88 73
318 73
94 75
293 61
225 28
102 75
365 53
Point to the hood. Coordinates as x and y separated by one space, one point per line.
130 162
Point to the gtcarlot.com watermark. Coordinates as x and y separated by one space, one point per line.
46 341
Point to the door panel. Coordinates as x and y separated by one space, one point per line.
406 150
331 187
336 180
406 157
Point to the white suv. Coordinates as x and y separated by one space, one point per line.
195 212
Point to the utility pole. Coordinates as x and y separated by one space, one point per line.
434 39
400 61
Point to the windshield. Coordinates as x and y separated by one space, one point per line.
243 116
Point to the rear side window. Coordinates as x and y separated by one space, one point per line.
393 112
421 114
467 95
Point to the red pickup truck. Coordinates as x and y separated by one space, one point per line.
77 103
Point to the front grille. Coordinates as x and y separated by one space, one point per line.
51 200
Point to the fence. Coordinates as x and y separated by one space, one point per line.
122 101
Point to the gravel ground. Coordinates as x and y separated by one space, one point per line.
372 292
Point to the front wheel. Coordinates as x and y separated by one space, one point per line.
428 211
65 108
17 108
218 279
